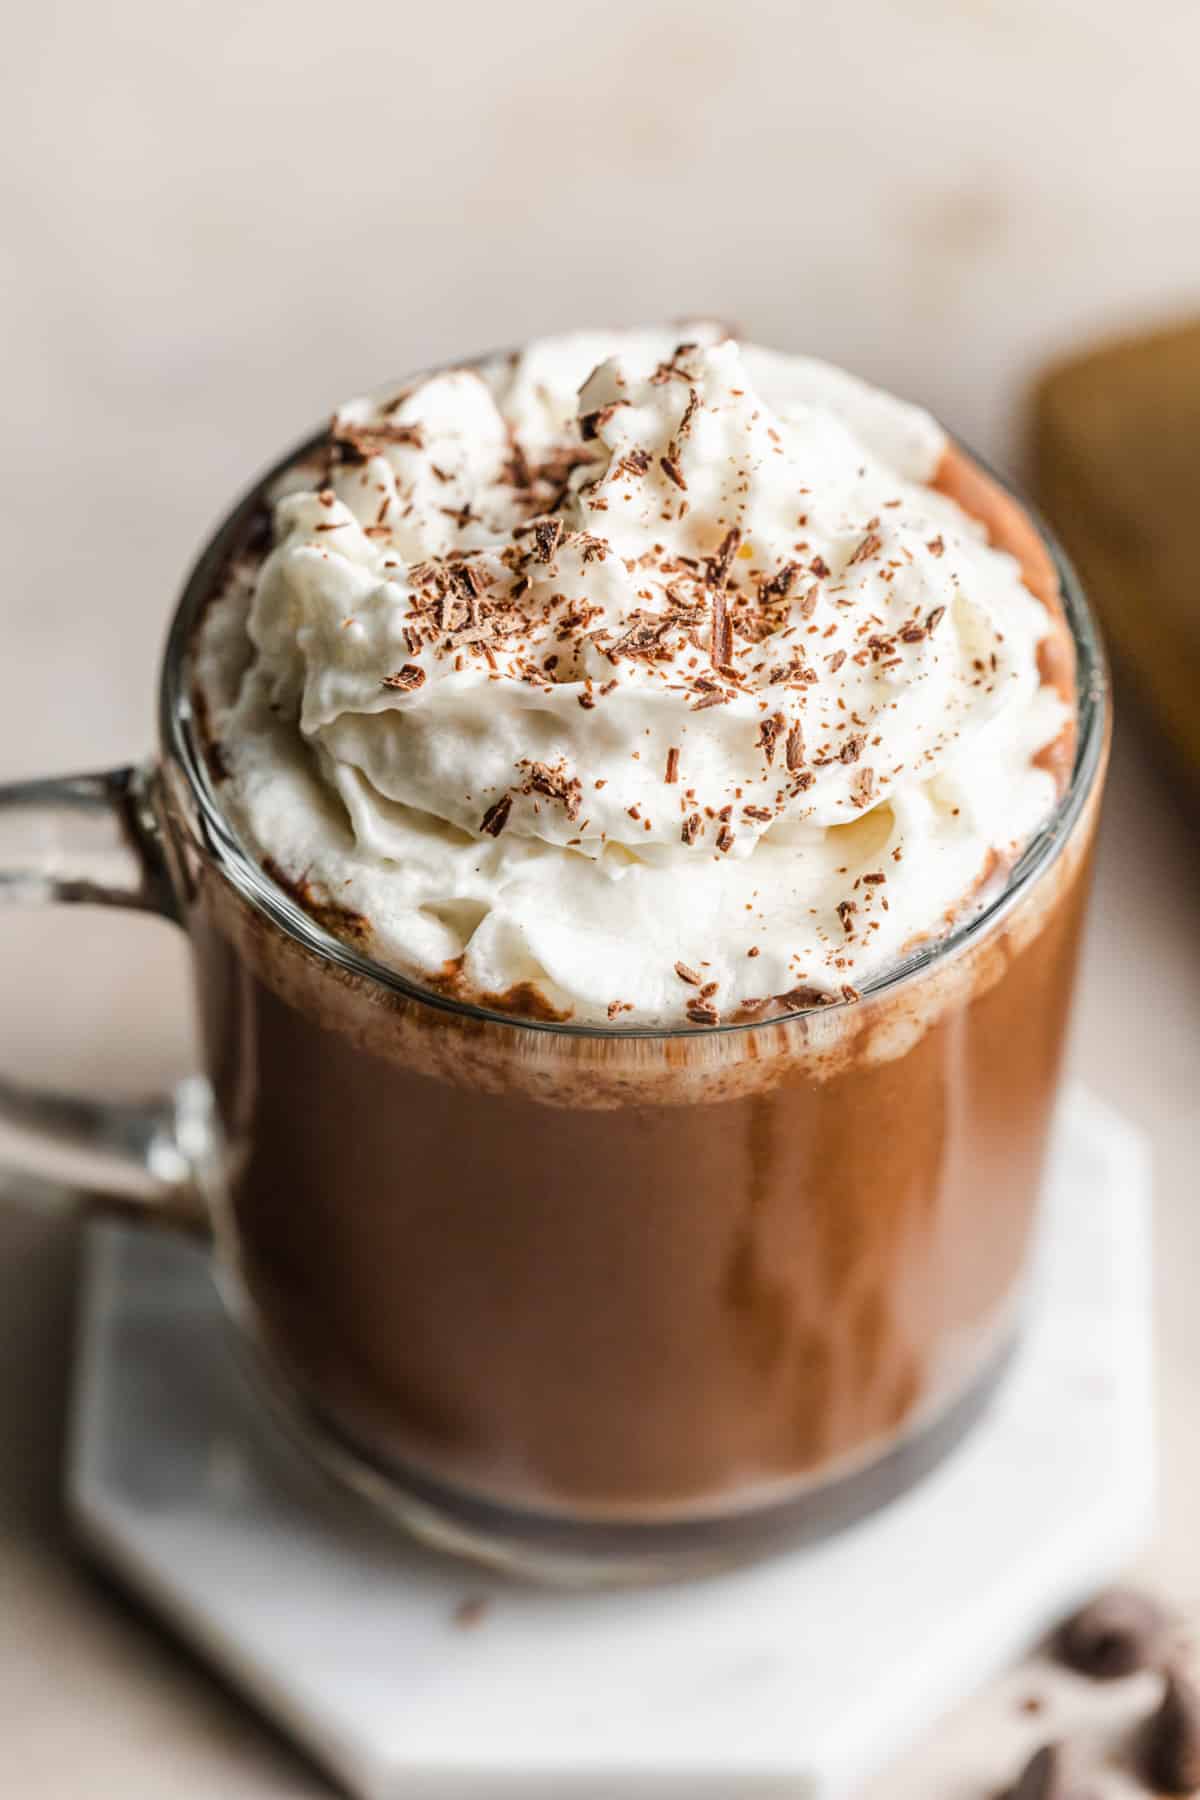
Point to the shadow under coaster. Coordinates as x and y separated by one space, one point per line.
410 1677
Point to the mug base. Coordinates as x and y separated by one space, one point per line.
553 1549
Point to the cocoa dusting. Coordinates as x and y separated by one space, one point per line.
331 915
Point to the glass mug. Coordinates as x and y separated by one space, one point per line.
592 1304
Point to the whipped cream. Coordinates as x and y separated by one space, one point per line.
649 679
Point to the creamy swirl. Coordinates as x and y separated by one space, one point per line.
648 678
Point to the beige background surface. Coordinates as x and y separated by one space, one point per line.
219 219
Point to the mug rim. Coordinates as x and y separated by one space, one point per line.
180 738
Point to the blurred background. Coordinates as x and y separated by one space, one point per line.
219 219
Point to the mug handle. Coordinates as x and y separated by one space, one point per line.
95 840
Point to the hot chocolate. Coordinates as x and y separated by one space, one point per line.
673 746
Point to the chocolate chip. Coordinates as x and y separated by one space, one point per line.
1045 1777
1170 1746
1042 1778
1118 1633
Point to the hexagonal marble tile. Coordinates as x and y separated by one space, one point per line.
407 1675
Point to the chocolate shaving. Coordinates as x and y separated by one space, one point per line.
721 638
836 661
862 787
406 680
768 735
913 634
470 634
819 567
496 817
592 548
465 579
725 840
692 826
667 371
800 998
936 545
546 536
643 638
555 784
671 469
700 1012
518 472
852 749
871 545
935 618
672 771
634 462
591 422
688 975
781 584
717 567
795 746
845 912
364 440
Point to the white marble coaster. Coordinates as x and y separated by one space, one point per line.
409 1676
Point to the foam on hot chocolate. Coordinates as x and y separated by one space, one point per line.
651 679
